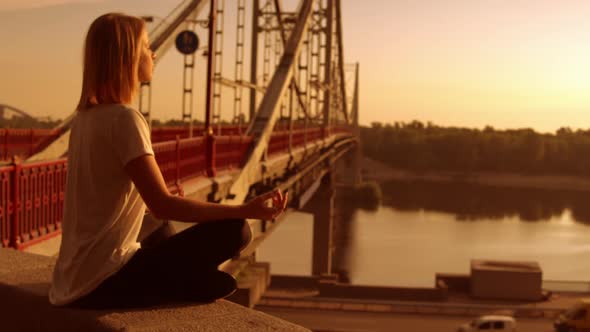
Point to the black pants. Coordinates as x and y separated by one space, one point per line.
179 268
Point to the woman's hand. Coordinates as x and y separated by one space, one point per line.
257 208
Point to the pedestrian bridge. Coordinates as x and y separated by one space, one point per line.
287 126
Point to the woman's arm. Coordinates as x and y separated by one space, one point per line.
148 180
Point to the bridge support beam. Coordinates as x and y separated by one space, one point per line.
321 206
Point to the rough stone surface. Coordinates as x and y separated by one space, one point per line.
24 283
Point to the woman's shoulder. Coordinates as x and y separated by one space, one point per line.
118 111
118 108
127 114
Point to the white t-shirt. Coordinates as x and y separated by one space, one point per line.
103 211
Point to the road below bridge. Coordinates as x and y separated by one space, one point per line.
347 321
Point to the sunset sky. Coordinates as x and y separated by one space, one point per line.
471 63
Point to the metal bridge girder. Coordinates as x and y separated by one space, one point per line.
263 123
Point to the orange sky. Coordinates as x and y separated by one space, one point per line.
471 63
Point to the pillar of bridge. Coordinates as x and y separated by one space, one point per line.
348 168
321 205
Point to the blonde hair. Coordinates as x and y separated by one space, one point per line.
111 60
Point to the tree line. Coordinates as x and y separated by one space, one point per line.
473 202
427 147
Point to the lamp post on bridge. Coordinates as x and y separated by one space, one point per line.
209 138
187 43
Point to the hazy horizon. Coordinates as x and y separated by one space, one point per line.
460 63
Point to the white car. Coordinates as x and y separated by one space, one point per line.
489 323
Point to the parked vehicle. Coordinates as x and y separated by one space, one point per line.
575 318
490 323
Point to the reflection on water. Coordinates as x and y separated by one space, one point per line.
421 230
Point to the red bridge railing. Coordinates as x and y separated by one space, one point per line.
37 201
6 192
32 194
169 133
24 142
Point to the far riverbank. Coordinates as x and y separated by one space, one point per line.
380 172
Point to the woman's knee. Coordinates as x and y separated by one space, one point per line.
242 229
233 234
246 235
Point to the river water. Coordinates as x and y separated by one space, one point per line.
424 228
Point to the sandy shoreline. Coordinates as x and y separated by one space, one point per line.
377 171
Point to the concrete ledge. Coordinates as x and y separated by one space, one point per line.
24 283
252 283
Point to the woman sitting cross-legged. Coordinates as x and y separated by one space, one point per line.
112 172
